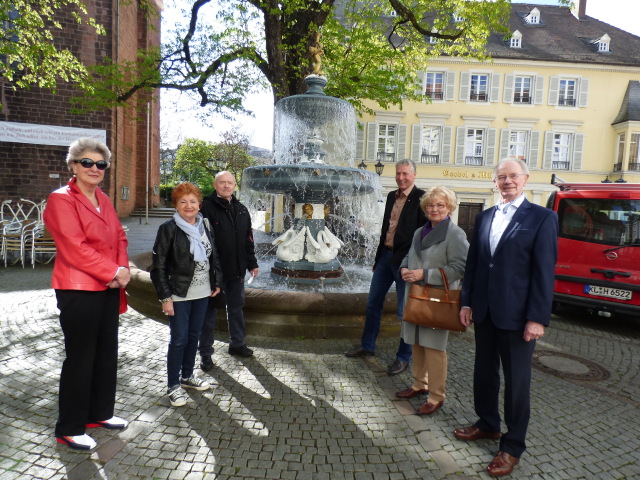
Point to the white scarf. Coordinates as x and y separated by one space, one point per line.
194 234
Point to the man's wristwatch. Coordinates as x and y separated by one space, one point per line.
165 300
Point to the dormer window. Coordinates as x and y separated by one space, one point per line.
516 40
457 18
534 17
603 43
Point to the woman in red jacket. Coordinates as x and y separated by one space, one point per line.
90 273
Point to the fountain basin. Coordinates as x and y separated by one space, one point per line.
274 313
312 183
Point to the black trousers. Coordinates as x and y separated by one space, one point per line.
494 347
87 393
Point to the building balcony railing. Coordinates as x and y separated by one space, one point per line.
617 167
434 95
567 102
476 161
634 166
425 158
558 165
521 99
478 97
386 157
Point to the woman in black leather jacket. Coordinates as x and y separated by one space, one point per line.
186 272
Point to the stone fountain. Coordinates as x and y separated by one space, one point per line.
313 173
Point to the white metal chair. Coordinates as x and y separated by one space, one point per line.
40 245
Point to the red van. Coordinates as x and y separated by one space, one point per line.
599 246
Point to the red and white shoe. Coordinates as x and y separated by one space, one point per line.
78 442
114 423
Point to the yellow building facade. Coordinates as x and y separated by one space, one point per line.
562 93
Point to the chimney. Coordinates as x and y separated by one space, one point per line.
579 9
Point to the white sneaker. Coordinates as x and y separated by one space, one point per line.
113 423
195 383
177 398
78 442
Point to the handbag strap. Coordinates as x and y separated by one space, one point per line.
445 280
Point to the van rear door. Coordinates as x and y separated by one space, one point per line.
599 250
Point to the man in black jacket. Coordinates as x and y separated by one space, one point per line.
402 217
231 225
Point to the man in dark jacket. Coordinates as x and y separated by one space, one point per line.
231 225
402 217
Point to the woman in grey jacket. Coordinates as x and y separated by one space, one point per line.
438 244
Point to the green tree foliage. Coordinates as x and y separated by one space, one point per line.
370 49
29 55
194 156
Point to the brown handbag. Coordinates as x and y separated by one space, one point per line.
434 307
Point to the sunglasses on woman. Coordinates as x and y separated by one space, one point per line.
88 163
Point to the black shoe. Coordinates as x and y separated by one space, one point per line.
397 367
242 351
206 363
359 352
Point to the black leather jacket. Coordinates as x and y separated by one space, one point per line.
173 263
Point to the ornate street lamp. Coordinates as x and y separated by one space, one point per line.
606 180
620 180
379 167
362 165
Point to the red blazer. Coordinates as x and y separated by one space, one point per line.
90 245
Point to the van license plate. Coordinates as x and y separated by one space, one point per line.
607 292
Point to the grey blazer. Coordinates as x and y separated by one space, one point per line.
445 247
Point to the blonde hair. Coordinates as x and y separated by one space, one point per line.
439 191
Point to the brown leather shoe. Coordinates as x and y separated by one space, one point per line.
474 433
428 408
410 393
502 464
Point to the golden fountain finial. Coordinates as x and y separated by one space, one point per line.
316 51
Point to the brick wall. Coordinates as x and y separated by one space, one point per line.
25 168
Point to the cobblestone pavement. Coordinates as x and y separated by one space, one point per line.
299 409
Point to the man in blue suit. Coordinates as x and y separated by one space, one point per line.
508 287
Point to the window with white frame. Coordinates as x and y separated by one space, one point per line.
518 143
479 87
603 43
567 92
457 18
534 17
434 88
430 144
516 40
561 159
522 90
473 151
622 140
634 161
386 142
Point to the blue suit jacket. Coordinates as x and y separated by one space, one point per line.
515 285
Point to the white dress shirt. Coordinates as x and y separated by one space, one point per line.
501 218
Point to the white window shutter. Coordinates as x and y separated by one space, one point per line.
578 147
360 141
494 95
547 160
464 86
449 92
403 133
504 143
416 133
554 86
538 92
583 95
372 138
445 156
508 89
420 86
490 147
534 148
460 141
